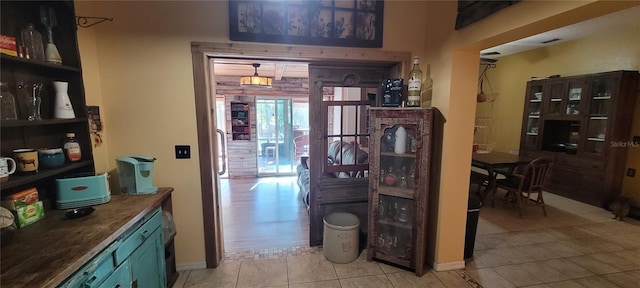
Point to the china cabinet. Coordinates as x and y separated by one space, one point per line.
240 121
404 146
22 72
584 123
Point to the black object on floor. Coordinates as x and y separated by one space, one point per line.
473 213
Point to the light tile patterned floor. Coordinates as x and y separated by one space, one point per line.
577 245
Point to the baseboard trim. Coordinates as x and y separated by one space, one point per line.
191 266
448 266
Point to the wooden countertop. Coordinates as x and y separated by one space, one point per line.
47 252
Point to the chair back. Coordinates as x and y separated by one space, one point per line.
536 174
301 146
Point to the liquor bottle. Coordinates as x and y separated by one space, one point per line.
415 84
427 88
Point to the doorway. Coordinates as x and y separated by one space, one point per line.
206 86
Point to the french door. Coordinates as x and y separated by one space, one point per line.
274 122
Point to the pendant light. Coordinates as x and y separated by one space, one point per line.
255 80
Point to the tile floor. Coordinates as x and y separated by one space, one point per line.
577 245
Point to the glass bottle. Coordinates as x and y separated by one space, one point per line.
415 84
32 42
7 103
403 177
32 100
390 178
403 213
427 88
72 148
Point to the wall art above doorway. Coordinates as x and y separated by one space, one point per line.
353 23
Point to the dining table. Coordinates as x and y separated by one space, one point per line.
486 167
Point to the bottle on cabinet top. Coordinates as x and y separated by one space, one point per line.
414 85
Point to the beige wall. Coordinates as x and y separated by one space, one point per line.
145 82
606 51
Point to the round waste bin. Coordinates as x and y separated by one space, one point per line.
340 239
473 212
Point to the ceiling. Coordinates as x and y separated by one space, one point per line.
627 18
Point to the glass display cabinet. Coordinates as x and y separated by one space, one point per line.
402 151
585 127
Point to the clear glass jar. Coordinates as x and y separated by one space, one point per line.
8 108
32 41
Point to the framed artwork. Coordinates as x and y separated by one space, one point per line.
471 11
349 23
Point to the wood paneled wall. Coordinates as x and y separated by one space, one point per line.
242 154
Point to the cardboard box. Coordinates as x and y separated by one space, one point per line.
29 214
8 45
20 199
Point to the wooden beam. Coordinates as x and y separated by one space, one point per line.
279 71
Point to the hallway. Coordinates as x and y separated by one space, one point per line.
263 216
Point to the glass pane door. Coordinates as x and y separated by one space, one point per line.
275 136
396 190
221 124
556 92
602 91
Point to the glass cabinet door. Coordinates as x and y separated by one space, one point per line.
534 108
602 91
555 93
396 206
574 97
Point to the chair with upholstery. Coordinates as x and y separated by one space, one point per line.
524 182
301 146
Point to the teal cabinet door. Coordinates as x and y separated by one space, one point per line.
121 277
147 263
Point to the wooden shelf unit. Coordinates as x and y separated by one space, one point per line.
240 121
401 185
578 121
48 132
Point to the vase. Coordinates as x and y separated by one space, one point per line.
62 108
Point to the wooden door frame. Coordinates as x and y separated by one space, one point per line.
204 90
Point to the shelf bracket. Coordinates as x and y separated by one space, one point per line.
88 21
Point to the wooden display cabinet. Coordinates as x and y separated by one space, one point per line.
583 123
240 121
48 132
400 183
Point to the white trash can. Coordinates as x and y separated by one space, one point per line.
340 239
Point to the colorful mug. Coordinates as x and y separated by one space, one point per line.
26 160
7 167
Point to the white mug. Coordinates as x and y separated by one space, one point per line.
5 171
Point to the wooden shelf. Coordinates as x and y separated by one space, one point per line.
392 154
44 122
37 64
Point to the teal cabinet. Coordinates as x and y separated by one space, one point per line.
147 263
120 278
135 259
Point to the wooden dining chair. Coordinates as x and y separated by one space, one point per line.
531 179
